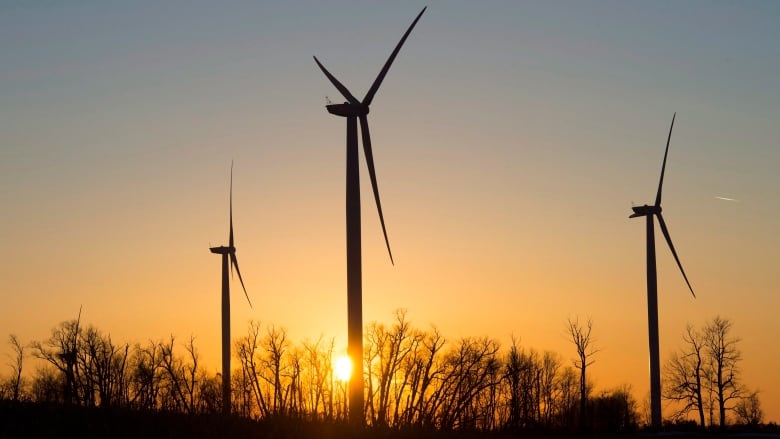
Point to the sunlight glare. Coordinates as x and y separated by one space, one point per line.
343 368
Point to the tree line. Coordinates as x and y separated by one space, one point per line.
414 378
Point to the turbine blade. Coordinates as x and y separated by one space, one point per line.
665 231
234 262
339 86
378 81
230 239
372 174
663 167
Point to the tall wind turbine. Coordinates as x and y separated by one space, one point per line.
652 288
354 110
228 252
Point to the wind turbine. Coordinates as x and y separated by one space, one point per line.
228 252
652 288
354 110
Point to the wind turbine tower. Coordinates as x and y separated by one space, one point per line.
652 289
229 260
354 110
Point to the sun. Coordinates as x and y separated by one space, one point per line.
343 368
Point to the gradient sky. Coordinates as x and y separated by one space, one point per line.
510 139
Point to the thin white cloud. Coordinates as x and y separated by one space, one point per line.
727 199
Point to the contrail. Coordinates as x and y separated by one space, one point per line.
727 199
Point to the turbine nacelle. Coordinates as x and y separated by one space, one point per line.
348 109
645 210
223 250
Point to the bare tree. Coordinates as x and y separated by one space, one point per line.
102 366
146 373
180 377
191 374
550 389
686 375
522 372
316 375
248 349
582 339
415 379
421 370
468 370
60 350
568 385
705 373
276 345
386 351
16 382
725 357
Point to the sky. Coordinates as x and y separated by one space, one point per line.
510 140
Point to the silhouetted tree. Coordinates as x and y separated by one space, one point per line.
102 376
60 350
547 385
275 344
48 385
523 373
248 350
181 377
420 370
385 352
278 378
192 376
469 369
209 399
614 411
16 383
415 379
581 337
146 375
705 373
748 410
569 399
686 375
724 355
316 378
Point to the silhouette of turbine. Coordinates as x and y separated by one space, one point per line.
354 110
228 252
652 288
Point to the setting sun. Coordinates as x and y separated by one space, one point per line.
343 368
